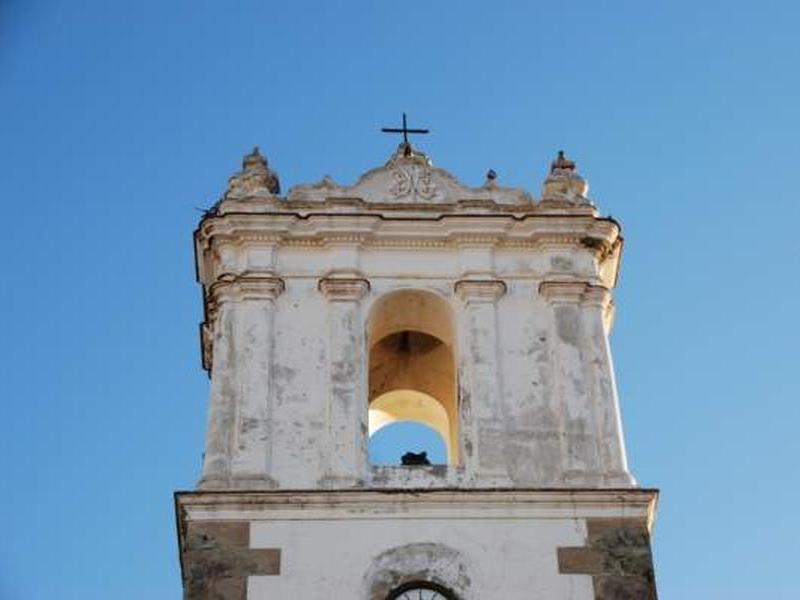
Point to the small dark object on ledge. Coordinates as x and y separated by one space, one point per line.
412 459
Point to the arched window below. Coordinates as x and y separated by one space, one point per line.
421 590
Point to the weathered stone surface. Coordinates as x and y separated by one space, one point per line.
217 559
617 555
564 184
583 561
616 587
255 178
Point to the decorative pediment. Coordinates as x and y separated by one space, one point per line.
408 178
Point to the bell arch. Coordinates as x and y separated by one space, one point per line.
412 364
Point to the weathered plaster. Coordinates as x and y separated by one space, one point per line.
524 289
302 297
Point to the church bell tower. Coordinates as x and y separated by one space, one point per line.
334 311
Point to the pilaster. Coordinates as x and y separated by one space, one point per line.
593 444
238 439
598 305
347 396
481 393
579 435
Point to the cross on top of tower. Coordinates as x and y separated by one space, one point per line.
404 130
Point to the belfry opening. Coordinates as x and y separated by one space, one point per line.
412 368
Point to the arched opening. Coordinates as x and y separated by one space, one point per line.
412 368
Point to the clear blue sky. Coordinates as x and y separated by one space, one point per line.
118 119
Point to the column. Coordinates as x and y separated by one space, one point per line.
238 440
347 397
597 303
480 387
578 428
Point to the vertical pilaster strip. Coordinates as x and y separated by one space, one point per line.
251 466
238 445
611 445
347 399
578 426
222 398
481 395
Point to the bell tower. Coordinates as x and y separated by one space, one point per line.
336 311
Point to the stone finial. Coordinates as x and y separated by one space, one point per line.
255 176
254 160
563 184
562 163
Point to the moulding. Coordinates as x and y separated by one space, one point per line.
453 503
575 292
343 288
247 286
480 290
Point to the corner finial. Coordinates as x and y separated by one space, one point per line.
564 184
254 160
255 177
562 162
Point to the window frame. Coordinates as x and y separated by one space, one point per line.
421 584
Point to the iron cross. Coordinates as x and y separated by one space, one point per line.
405 130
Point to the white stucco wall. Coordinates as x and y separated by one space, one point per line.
335 555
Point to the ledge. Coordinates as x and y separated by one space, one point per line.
417 503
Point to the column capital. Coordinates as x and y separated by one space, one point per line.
480 290
343 288
575 292
246 287
563 292
597 295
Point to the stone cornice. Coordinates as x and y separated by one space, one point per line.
343 288
480 290
453 503
599 236
587 230
266 203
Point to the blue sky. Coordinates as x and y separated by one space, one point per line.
119 119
